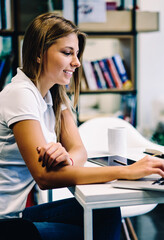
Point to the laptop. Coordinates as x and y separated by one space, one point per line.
151 182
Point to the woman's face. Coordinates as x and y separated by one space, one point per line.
60 61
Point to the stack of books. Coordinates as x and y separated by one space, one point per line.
106 73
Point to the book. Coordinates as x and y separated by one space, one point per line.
8 14
114 73
111 5
3 14
106 73
6 69
96 75
2 63
0 17
89 75
127 84
128 108
99 74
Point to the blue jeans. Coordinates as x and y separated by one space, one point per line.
63 220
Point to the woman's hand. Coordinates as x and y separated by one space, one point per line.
53 154
146 166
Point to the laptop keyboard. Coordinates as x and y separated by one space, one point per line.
160 181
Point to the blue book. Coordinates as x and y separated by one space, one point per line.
96 75
106 74
120 67
100 74
6 69
2 63
122 71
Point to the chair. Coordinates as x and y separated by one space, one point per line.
18 228
94 136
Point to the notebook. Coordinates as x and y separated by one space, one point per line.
151 182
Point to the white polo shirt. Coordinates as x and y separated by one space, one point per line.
20 100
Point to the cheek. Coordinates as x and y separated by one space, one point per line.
55 65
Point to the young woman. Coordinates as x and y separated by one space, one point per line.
39 140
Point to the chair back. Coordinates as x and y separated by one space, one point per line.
94 134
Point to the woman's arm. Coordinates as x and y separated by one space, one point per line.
71 147
71 140
29 136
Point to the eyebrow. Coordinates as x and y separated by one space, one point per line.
71 48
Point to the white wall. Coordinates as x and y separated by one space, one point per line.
150 67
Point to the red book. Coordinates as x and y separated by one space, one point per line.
106 74
114 73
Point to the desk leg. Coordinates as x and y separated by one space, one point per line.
88 227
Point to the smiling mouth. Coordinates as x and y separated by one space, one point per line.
69 73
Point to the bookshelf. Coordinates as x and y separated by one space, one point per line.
6 41
15 15
118 35
145 22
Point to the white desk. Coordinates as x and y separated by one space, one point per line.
96 196
105 196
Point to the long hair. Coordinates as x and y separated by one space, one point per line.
43 31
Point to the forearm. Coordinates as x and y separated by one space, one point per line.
78 155
71 141
72 175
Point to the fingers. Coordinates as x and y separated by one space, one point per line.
146 166
42 151
57 157
38 149
53 154
155 162
64 159
157 171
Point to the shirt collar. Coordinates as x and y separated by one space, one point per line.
47 100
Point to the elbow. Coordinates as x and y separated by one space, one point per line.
41 181
42 184
49 179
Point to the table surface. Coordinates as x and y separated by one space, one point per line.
94 194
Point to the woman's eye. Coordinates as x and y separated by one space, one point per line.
67 53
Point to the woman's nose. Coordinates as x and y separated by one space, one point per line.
75 62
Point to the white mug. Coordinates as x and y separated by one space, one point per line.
117 141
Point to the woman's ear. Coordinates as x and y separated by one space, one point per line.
38 59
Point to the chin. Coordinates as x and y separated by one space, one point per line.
67 82
64 82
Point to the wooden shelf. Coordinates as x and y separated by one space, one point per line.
121 21
114 91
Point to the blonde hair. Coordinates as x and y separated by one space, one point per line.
43 31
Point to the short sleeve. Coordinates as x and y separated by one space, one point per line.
63 107
20 104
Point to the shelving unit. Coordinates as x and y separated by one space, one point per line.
145 21
6 42
123 26
14 18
